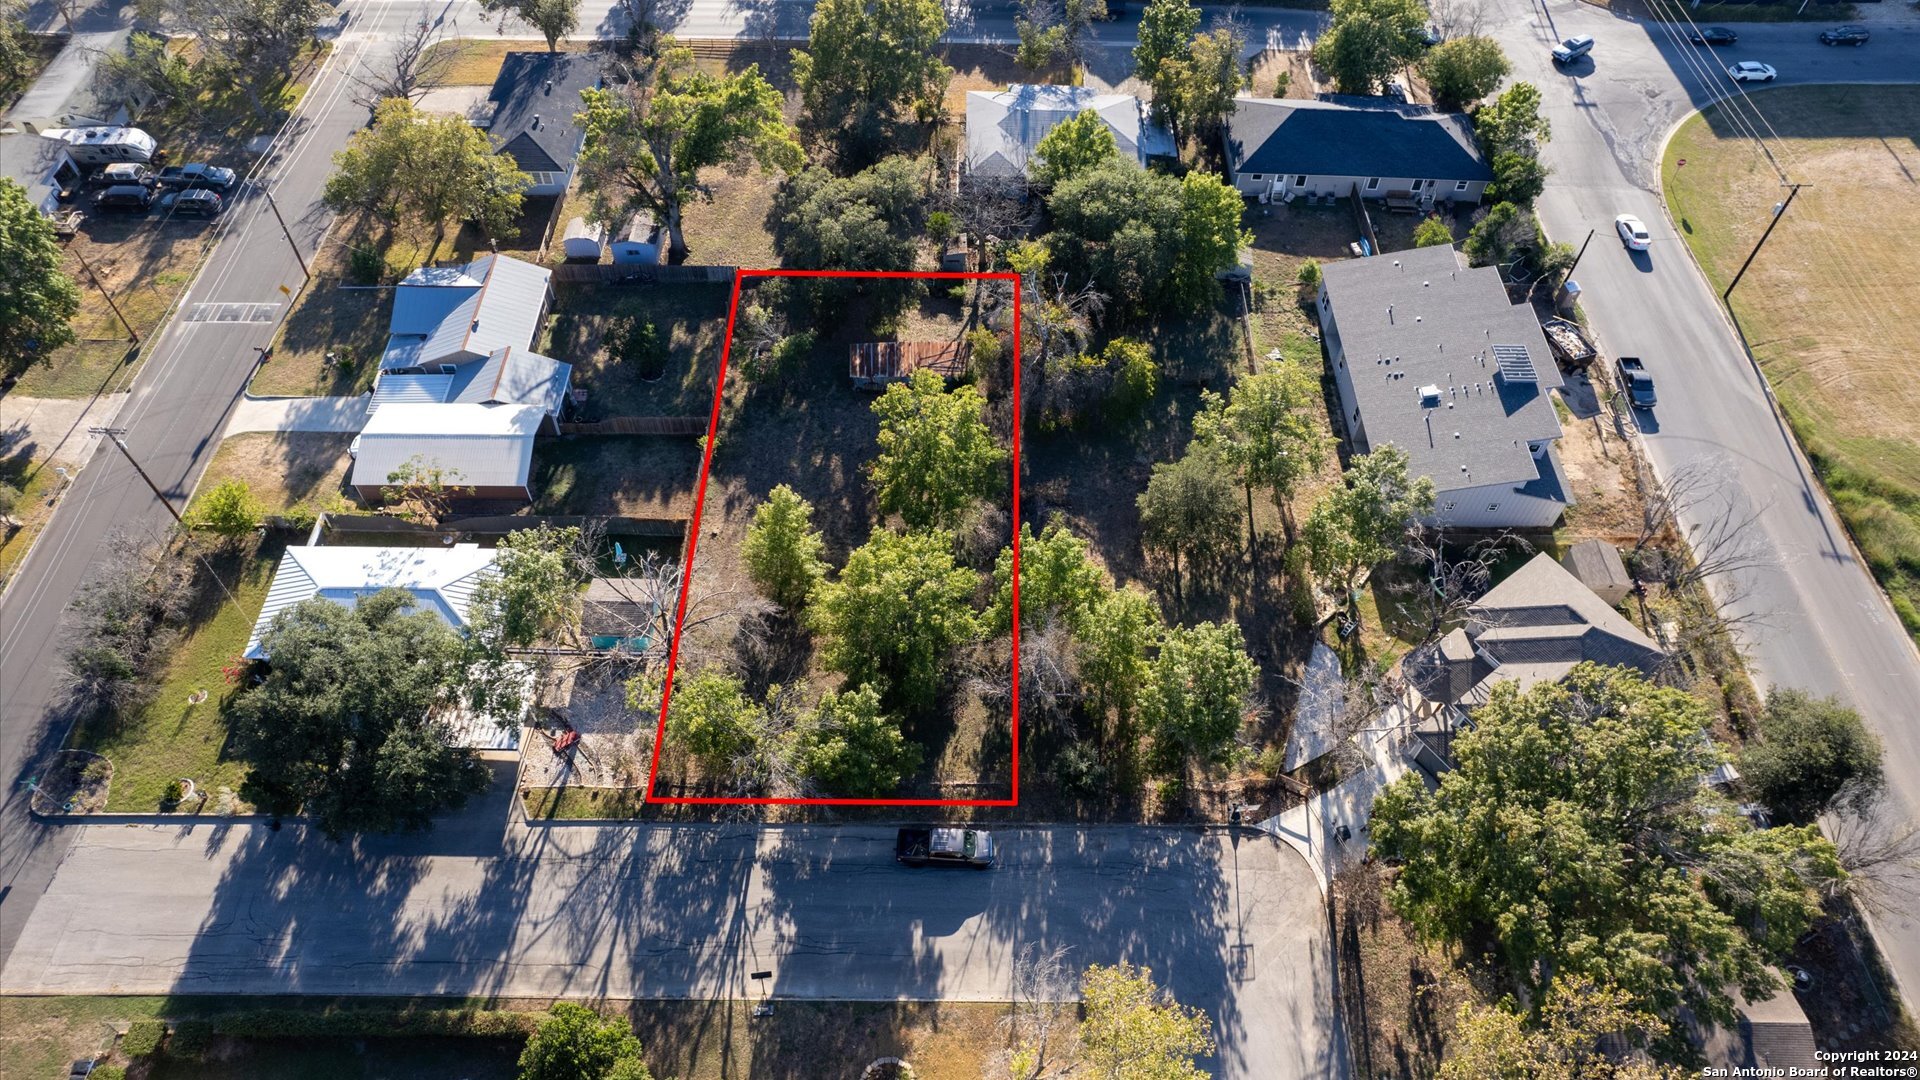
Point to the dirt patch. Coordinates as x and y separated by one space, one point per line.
689 323
284 470
1400 995
1599 464
1297 65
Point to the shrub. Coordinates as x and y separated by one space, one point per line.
172 793
1309 276
1080 771
97 770
635 341
108 1072
1281 82
366 1023
142 1040
190 1040
366 266
940 226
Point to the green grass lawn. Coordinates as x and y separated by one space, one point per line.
170 739
37 482
1826 308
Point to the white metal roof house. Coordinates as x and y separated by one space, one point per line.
441 580
489 447
1283 148
507 376
1004 126
1430 356
535 98
450 315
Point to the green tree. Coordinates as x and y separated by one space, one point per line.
872 220
936 455
1462 70
9 501
1511 123
344 726
1517 178
1432 232
229 511
1166 33
147 74
1502 1042
254 42
554 19
711 715
1813 754
1071 148
1358 523
37 299
1059 581
1056 30
422 490
1194 91
1143 239
1505 231
899 607
852 749
1266 434
1369 41
426 170
1190 513
782 549
867 64
1196 695
575 1043
534 591
1574 838
1114 647
648 142
1133 1030
1136 377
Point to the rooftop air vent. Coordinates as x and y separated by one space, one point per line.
1430 396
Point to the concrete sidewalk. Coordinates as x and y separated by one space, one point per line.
333 414
55 428
1314 827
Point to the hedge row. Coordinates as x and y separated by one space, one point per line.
372 1023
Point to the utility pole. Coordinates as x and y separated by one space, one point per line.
275 207
132 334
1581 254
115 434
1778 213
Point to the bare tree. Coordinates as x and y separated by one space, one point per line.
409 70
990 209
1455 579
1457 18
1882 859
1043 1006
646 601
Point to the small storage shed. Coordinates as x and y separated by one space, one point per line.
639 243
1599 567
583 242
874 364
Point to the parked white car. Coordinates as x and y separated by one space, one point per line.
1633 232
1752 71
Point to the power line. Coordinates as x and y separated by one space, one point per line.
1778 213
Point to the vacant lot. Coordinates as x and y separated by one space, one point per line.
1826 308
285 470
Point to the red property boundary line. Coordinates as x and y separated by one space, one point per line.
693 540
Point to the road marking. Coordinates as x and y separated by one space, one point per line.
232 313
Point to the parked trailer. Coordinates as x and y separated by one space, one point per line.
874 364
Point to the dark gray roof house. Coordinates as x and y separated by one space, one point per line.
1286 147
1430 355
1534 627
534 101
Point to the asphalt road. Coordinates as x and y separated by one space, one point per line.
1232 924
1826 627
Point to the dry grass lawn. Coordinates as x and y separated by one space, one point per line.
1827 308
478 62
284 469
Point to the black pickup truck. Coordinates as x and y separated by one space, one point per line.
1637 382
944 847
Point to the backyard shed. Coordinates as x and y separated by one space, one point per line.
639 243
1598 566
873 364
583 241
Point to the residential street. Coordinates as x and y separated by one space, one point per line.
1232 924
1827 626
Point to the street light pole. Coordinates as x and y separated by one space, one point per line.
1778 213
275 207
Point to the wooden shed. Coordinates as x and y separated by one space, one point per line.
874 364
1599 567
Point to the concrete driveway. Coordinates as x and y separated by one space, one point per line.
1232 923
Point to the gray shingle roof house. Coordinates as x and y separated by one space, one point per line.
1534 627
535 98
1287 147
1003 126
1430 356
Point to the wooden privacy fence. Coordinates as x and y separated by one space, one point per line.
501 524
640 425
638 274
